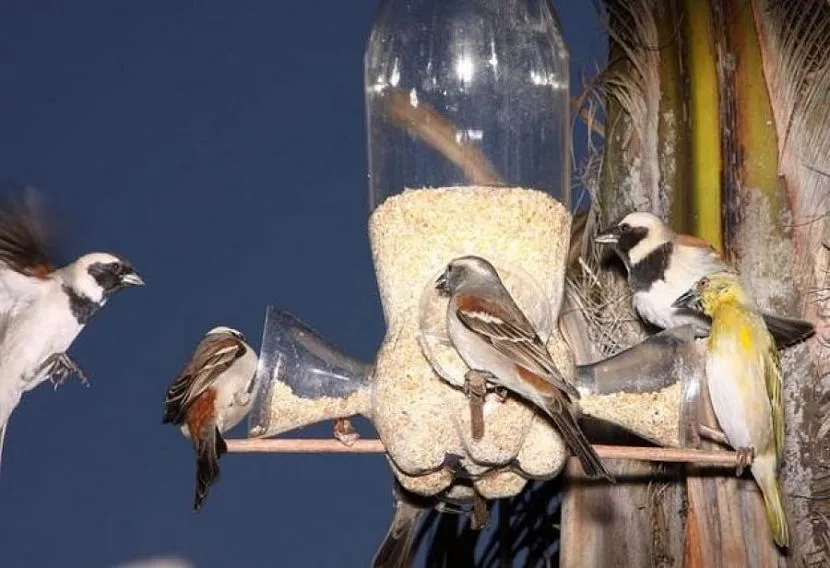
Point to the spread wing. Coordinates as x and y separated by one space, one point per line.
512 336
214 354
24 254
773 380
23 236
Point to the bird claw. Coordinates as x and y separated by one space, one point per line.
745 457
345 432
60 367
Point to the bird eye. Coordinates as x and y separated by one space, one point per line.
625 227
704 282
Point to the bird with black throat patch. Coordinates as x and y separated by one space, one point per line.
493 336
43 308
662 265
211 395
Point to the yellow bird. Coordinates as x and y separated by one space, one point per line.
744 378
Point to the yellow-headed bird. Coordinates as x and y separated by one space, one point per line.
744 377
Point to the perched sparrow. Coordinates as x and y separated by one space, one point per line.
492 335
745 383
662 265
210 396
43 308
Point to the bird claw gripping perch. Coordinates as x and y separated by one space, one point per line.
745 458
60 367
345 432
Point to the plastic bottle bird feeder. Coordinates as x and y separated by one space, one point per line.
467 110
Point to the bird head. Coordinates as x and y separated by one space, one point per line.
465 271
97 275
635 236
711 291
221 329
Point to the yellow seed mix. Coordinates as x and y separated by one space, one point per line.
419 415
654 416
289 411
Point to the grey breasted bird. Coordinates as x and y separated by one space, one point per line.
211 395
44 308
491 334
662 265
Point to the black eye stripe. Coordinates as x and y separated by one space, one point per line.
108 274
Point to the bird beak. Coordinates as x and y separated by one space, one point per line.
132 279
609 237
687 300
441 283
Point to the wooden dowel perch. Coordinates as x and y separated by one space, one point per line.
325 445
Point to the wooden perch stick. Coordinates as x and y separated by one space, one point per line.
326 445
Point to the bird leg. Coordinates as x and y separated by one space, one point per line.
475 387
345 432
713 434
745 457
60 367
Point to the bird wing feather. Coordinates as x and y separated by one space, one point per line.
512 336
212 357
774 382
24 254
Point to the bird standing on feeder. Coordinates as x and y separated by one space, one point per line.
211 395
43 308
492 335
662 265
745 383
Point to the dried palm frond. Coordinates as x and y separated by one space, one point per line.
795 44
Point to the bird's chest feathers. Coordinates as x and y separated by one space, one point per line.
46 327
735 351
735 375
660 278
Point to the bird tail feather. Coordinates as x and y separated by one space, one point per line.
764 472
395 550
2 440
565 422
788 331
209 448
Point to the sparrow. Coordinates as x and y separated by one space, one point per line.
662 265
492 335
745 384
211 395
44 308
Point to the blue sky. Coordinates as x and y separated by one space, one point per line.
220 147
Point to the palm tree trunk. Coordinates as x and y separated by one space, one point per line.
718 120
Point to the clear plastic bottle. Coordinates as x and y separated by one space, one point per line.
468 140
467 93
